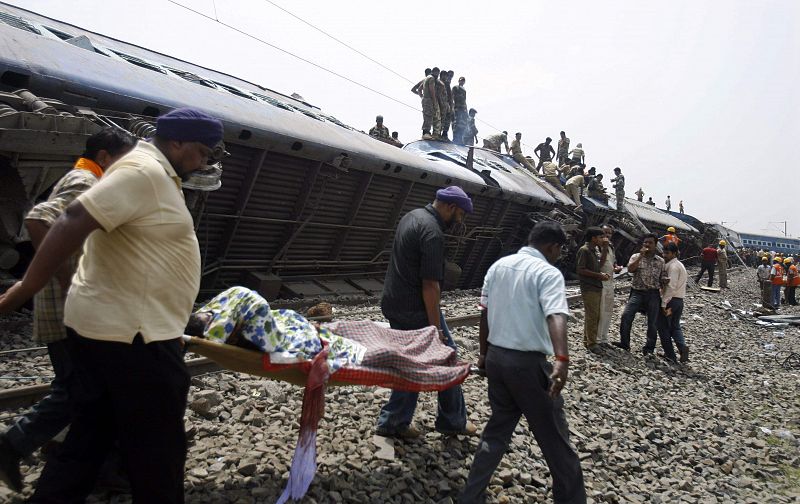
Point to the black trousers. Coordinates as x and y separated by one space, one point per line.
706 266
132 393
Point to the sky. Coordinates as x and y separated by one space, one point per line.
695 100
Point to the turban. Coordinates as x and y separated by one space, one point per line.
190 125
456 196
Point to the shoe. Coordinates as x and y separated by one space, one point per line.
427 136
648 355
9 465
470 429
619 344
595 349
409 432
684 353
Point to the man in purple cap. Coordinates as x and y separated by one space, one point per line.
411 294
129 301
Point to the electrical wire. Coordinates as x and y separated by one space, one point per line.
339 41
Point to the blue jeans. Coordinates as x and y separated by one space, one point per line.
50 415
669 328
648 301
396 415
776 295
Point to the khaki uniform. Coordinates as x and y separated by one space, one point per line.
493 142
516 153
444 107
551 174
573 187
722 262
430 108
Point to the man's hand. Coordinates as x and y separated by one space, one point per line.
606 277
558 378
667 311
14 297
617 268
643 250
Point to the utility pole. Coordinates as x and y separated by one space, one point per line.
784 225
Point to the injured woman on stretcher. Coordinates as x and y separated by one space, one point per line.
358 352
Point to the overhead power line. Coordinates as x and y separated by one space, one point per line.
339 41
305 60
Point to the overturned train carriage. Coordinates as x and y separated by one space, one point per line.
308 205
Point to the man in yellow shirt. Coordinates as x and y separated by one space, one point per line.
125 312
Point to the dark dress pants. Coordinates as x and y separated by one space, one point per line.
706 266
518 385
647 301
136 394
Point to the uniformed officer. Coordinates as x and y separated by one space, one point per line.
430 106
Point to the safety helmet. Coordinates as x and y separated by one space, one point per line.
723 243
671 229
765 259
788 260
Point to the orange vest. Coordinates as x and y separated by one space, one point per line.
794 276
778 280
671 238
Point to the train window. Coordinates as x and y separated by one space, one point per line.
273 102
233 90
189 76
59 33
140 62
14 79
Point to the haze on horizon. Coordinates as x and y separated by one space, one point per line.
696 100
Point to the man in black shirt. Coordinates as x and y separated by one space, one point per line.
545 152
410 300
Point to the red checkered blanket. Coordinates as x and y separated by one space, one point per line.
415 361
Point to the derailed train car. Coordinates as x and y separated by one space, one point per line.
308 205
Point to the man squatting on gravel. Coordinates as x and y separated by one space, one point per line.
125 342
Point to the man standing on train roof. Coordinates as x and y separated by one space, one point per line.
680 206
471 134
639 195
444 106
493 142
417 89
379 131
431 120
447 117
460 111
668 204
563 148
578 156
722 262
516 153
125 311
49 417
411 300
650 201
545 152
670 237
619 188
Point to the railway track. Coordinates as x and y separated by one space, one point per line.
20 397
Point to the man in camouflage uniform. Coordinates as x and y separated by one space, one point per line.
380 131
619 188
563 149
471 132
444 106
493 142
460 117
430 106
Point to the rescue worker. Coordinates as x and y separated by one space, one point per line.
574 186
578 156
792 281
493 142
619 188
668 204
544 151
650 201
447 118
708 262
417 89
596 190
639 194
776 279
550 170
670 237
460 111
680 206
444 107
722 263
516 153
380 131
563 149
431 120
762 273
471 133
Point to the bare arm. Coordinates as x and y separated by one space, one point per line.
431 294
557 326
64 238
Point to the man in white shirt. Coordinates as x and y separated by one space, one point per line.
672 294
762 272
523 321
